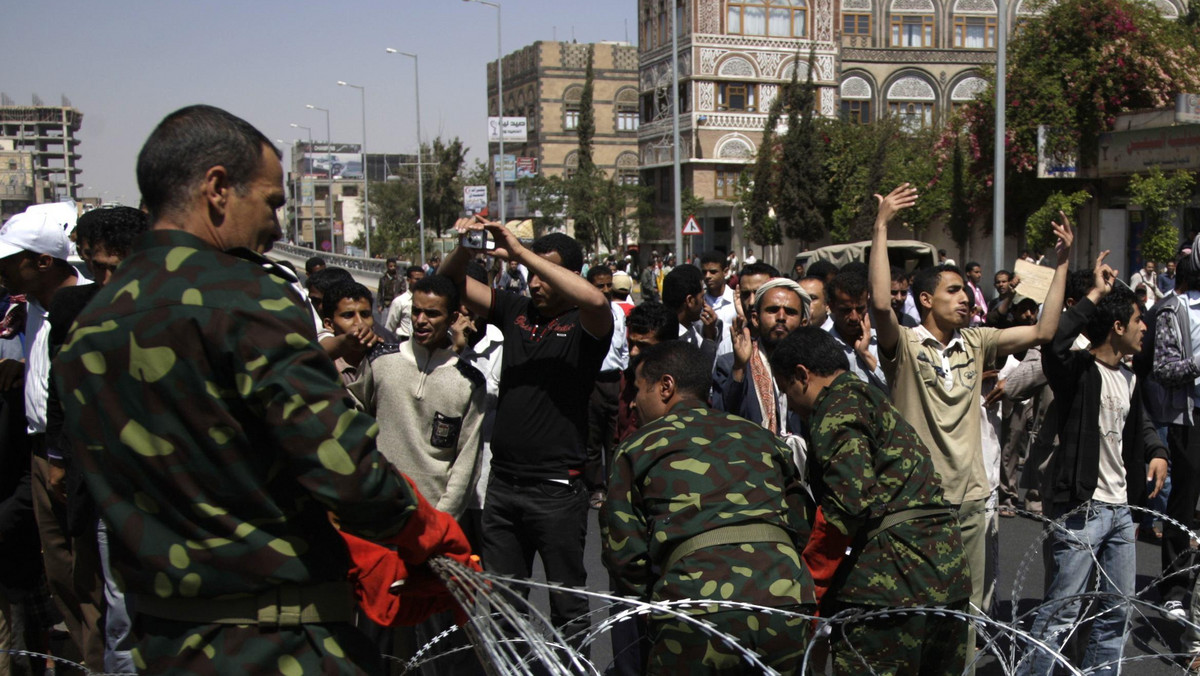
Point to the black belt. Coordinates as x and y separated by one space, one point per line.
517 480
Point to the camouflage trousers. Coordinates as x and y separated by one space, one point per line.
901 645
168 647
679 647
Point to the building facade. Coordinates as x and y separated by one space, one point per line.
39 158
734 57
543 83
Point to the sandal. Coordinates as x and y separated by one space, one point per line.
597 500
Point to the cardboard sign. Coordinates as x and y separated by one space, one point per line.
1035 280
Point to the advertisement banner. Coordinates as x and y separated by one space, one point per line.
509 167
515 129
474 198
307 234
1053 166
1187 108
526 167
1123 153
306 193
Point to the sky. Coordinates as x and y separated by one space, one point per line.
125 64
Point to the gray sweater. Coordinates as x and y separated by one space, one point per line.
430 409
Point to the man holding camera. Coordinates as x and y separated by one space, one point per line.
554 343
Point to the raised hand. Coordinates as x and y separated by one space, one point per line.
902 197
1066 237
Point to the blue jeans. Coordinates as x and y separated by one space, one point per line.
1095 537
523 517
118 628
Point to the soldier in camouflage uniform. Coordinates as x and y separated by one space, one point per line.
884 535
215 435
694 471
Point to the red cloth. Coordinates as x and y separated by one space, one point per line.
375 568
824 552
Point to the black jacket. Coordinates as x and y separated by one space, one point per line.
1075 468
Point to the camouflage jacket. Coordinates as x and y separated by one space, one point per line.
213 430
690 471
866 461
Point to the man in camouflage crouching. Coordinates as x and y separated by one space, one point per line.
705 505
884 535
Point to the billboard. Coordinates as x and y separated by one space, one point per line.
1187 108
474 198
1053 166
514 128
514 168
325 160
1123 153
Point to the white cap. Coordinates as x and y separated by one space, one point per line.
42 229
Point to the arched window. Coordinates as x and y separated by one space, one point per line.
571 107
626 105
912 23
776 18
975 24
856 17
627 169
912 99
571 164
855 93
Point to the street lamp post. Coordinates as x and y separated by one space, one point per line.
499 101
366 179
328 177
420 166
312 210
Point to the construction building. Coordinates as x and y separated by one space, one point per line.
39 158
543 83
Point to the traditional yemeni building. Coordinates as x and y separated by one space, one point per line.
543 82
734 56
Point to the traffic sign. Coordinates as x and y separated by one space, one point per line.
692 227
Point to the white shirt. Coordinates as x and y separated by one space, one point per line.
1116 391
875 377
37 362
726 312
487 356
617 358
399 317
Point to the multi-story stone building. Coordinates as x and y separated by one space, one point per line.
734 57
543 83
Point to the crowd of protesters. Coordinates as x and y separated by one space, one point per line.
211 464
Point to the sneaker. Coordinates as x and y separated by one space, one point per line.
1175 610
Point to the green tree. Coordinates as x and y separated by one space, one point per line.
801 189
547 196
1039 233
587 115
443 183
394 209
1160 196
756 187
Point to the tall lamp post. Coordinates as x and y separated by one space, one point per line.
312 210
420 166
366 179
328 177
499 101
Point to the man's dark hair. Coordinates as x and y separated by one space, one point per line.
440 286
812 348
926 281
114 228
1079 283
851 283
714 257
682 361
568 250
1117 306
856 267
971 265
312 263
1187 273
342 290
413 268
323 280
391 259
682 281
760 268
823 269
189 142
1000 272
477 272
596 271
651 317
899 275
941 252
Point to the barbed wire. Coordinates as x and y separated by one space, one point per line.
510 635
